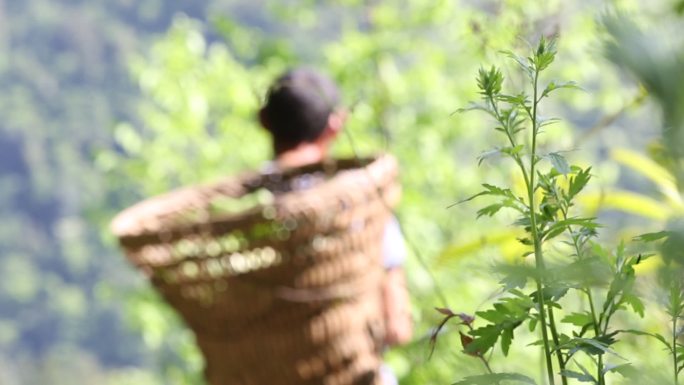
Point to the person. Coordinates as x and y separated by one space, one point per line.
302 113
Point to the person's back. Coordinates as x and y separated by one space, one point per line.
303 115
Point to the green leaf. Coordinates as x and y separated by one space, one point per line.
565 223
522 62
559 163
617 368
515 275
596 345
492 315
581 377
635 302
545 54
652 237
490 210
506 339
490 190
552 86
546 122
551 293
472 106
490 81
518 100
578 182
513 150
495 190
578 319
653 335
496 378
484 339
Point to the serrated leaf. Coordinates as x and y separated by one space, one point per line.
519 99
551 294
489 210
599 345
490 190
581 377
506 339
495 190
491 315
489 82
516 275
578 182
496 378
636 304
553 232
484 339
578 319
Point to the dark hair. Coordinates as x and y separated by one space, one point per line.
298 105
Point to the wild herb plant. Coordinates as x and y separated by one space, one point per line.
575 264
670 277
657 64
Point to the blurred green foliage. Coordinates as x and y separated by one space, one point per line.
402 71
108 101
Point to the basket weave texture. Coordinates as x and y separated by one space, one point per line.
285 291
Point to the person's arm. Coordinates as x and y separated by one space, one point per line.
395 297
396 307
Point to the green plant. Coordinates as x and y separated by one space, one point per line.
575 263
656 63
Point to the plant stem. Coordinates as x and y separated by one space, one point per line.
486 364
556 342
536 239
597 331
674 349
595 321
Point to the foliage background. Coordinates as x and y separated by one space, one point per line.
107 102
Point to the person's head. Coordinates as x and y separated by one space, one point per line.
301 108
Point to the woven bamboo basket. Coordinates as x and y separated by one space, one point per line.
282 289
